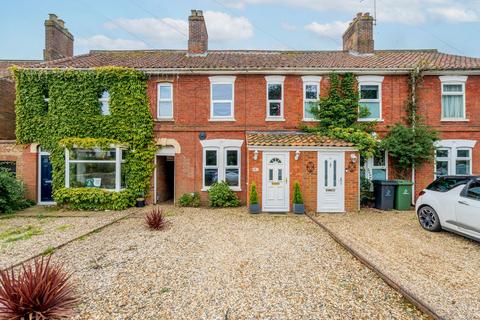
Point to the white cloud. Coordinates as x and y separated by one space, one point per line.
288 27
455 14
168 32
103 42
328 30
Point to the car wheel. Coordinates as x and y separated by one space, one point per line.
428 219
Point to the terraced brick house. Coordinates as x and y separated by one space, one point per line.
234 115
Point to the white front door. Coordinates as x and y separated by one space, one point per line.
275 182
331 170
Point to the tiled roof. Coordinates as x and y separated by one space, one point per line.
5 64
267 60
292 139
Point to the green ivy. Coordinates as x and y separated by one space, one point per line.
72 118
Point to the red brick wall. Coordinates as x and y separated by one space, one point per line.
26 162
7 109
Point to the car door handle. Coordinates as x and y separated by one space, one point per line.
463 202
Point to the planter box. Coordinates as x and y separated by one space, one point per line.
254 208
298 208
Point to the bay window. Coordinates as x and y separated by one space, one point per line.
94 168
453 98
370 90
222 98
221 162
165 101
311 95
275 106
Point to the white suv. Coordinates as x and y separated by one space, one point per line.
451 203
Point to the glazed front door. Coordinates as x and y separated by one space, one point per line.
275 177
330 182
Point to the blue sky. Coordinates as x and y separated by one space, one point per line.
448 25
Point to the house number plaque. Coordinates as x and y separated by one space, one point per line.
254 169
310 167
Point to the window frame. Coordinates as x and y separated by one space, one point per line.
369 166
308 81
103 101
205 167
275 80
160 99
226 166
230 80
453 146
453 80
366 81
118 166
443 159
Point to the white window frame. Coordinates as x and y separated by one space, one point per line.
453 146
221 146
453 80
118 167
104 100
272 80
222 80
160 99
308 81
375 81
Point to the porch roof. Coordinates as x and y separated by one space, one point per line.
293 139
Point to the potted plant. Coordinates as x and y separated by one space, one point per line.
140 200
254 206
298 206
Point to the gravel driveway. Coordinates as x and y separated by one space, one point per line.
442 269
225 264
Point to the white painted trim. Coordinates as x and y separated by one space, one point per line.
452 146
452 78
310 80
271 80
264 181
451 143
221 143
222 79
275 79
371 80
316 79
168 151
376 79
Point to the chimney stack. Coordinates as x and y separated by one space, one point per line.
58 40
197 34
358 38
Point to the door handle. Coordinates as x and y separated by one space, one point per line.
341 181
463 202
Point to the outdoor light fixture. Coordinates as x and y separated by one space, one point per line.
255 155
353 158
297 154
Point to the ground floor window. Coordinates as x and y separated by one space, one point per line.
9 166
94 168
376 167
221 162
453 161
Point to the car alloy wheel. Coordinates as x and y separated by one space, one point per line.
428 219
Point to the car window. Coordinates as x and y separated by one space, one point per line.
473 190
445 184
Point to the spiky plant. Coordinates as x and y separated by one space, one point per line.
155 219
37 291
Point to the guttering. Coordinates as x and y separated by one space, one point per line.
301 148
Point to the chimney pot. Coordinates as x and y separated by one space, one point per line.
197 34
358 37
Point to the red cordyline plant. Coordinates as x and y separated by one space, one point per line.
155 219
36 292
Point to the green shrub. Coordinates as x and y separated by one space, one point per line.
94 199
191 199
253 194
220 195
297 194
12 193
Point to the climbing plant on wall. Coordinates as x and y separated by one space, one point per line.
338 113
60 109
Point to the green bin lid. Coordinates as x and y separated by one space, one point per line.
404 182
385 182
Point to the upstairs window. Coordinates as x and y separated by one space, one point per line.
370 90
311 95
222 98
453 98
105 103
275 110
165 101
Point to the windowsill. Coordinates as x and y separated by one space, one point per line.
455 120
236 189
221 119
310 120
165 119
370 120
274 119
